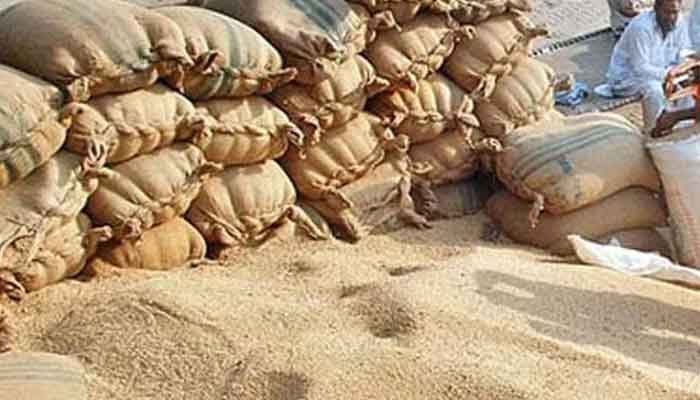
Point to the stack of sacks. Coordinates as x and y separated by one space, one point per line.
438 119
43 236
243 132
116 114
588 175
423 104
512 89
323 39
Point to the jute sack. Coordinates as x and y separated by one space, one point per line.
564 168
122 126
677 158
92 47
149 190
406 10
38 216
314 36
31 130
482 10
332 102
7 330
245 131
436 106
521 98
450 158
166 246
630 209
234 59
452 200
344 155
477 63
377 202
62 254
242 205
418 50
41 376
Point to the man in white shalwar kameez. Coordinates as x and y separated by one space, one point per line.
653 42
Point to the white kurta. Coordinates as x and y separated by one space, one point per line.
641 59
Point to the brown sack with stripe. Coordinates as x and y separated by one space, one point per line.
419 49
628 211
566 165
123 126
482 10
233 59
344 155
41 376
245 131
149 190
478 62
243 205
39 218
379 201
314 36
521 98
172 244
92 47
332 102
31 129
437 106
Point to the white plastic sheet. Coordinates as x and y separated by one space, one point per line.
633 262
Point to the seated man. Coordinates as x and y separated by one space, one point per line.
622 12
652 43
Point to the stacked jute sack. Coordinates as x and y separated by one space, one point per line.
587 175
352 169
156 119
444 59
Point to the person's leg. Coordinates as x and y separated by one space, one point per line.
653 103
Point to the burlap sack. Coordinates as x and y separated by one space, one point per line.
245 131
332 102
677 158
61 255
633 208
31 130
520 98
576 162
477 63
450 158
38 228
169 245
482 10
314 36
242 205
418 50
41 376
344 155
452 200
436 106
91 47
234 60
123 126
377 202
406 10
149 190
7 330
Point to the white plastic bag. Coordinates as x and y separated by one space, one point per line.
632 262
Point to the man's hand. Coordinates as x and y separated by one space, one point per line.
664 125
